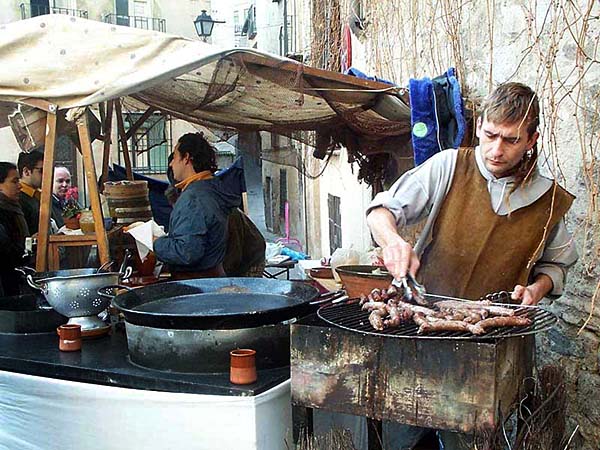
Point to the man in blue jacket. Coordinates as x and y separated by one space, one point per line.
196 243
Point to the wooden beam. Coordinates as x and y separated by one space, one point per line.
123 139
106 150
138 123
41 261
245 207
90 174
40 104
342 81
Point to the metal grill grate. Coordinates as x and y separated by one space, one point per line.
349 316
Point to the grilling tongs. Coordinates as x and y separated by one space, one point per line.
411 289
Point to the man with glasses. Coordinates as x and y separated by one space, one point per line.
30 166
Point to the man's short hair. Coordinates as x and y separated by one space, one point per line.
57 168
29 160
5 168
200 151
512 103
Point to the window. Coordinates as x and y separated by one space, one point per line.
358 14
140 8
335 223
283 194
249 28
237 28
269 203
39 7
275 142
150 145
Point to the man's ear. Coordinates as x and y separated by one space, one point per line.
533 139
478 127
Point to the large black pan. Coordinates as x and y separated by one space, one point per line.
216 303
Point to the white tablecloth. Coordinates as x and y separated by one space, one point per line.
45 413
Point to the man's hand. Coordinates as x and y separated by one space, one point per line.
532 294
400 258
398 255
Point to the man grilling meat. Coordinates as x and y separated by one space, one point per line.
195 246
493 222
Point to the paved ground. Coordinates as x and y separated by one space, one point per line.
256 205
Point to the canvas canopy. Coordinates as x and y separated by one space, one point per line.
73 62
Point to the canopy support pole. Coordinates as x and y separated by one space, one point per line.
138 123
123 139
90 174
46 194
107 140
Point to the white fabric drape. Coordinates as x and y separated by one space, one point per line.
45 413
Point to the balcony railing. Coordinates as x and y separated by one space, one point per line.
145 23
28 11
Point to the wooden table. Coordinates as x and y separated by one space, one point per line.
328 284
69 240
281 268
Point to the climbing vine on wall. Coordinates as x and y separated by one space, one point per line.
551 45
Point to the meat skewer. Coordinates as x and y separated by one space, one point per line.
456 304
416 308
376 319
496 322
388 309
371 306
426 325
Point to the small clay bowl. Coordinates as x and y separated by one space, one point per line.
69 337
243 366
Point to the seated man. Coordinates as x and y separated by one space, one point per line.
13 229
30 167
62 183
196 243
70 257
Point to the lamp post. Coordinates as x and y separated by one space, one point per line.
204 25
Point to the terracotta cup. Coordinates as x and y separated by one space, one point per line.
243 366
69 338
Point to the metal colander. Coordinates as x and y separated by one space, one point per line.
76 296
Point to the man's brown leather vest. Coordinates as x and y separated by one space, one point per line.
473 250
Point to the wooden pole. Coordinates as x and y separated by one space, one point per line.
90 174
245 203
106 151
138 123
41 261
123 139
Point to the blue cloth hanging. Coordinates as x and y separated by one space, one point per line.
437 115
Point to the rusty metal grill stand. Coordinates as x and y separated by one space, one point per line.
447 384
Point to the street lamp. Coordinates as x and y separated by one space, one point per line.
204 25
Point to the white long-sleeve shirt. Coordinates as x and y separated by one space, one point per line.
419 194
